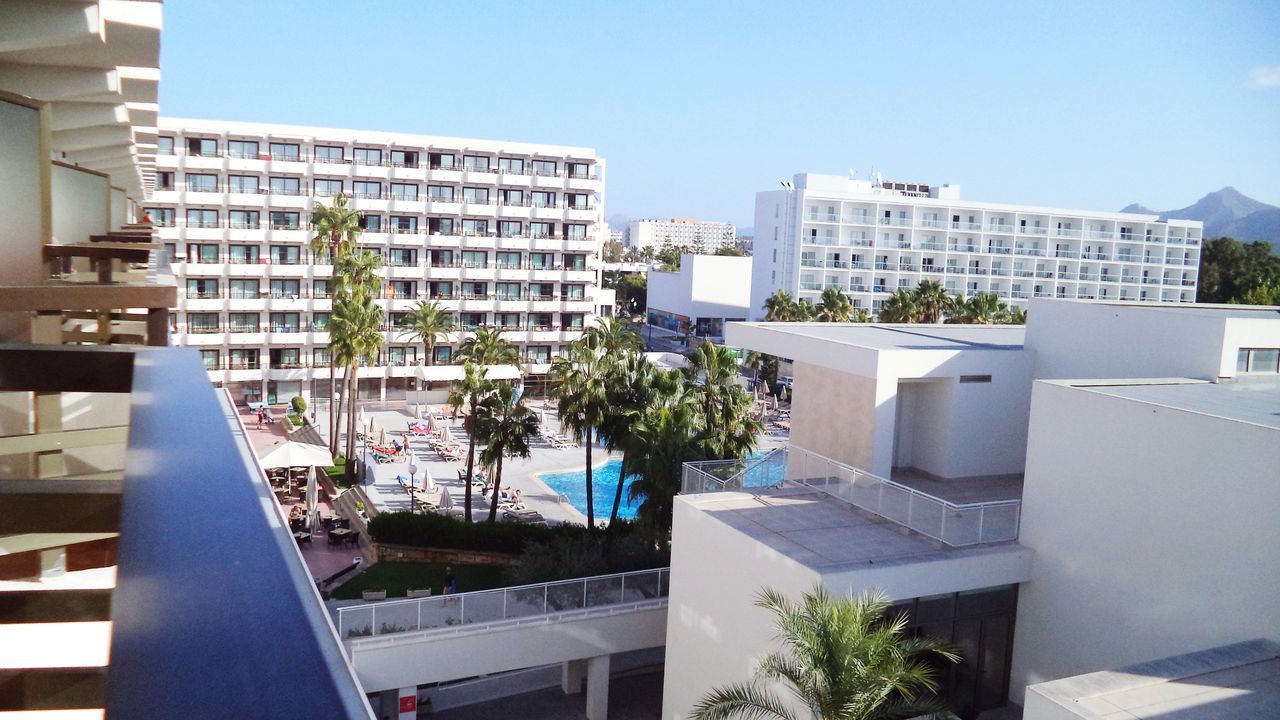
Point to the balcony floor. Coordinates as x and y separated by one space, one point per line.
983 488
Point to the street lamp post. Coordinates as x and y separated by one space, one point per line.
413 499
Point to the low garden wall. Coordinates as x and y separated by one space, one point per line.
443 556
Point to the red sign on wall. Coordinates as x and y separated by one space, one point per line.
409 704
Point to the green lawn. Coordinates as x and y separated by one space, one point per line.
397 577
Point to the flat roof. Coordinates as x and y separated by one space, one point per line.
1228 682
889 336
1251 400
824 534
1214 310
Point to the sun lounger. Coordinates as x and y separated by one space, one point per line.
524 516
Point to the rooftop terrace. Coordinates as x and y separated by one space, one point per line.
1255 400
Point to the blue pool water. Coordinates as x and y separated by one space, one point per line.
604 483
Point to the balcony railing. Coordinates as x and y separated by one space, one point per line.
475 610
954 524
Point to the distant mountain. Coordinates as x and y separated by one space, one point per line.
1139 209
1227 212
618 221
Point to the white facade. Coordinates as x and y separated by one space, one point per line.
705 293
1151 509
504 234
1146 504
699 236
869 240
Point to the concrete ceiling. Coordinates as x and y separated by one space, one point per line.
98 66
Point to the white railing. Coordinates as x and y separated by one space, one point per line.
451 612
768 470
954 524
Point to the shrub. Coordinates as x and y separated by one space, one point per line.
438 531
564 558
299 404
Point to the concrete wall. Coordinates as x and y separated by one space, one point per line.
833 414
22 210
119 208
709 286
1154 530
715 634
80 204
767 257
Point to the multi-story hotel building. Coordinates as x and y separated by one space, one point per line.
870 238
503 234
699 236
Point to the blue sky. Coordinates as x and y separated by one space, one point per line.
697 105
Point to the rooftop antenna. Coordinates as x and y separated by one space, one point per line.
879 180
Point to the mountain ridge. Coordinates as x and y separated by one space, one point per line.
1226 212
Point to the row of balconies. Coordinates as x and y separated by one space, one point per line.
265 197
1082 276
564 169
1006 250
996 229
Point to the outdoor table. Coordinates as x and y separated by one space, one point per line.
340 534
302 537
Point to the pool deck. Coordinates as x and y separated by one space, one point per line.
519 473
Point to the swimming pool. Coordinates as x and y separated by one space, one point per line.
604 483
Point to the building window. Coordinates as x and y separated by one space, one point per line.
202 288
202 183
575 231
541 260
507 291
285 151
580 171
475 259
577 201
285 186
286 254
327 188
539 230
243 254
404 191
161 217
513 166
402 257
371 223
573 291
538 354
246 149
546 168
284 322
475 196
197 218
367 189
440 193
243 219
368 156
202 147
506 260
441 226
244 289
477 228
575 261
441 161
1258 360
444 354
243 322
320 357
243 359
510 228
164 180
404 158
211 358
244 184
328 154
319 289
320 321
475 163
404 224
281 220
164 145
542 199
286 289
202 323
513 198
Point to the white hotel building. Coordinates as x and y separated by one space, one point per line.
503 234
871 238
699 236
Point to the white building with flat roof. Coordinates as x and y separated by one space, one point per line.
1081 479
870 238
502 234
706 292
698 236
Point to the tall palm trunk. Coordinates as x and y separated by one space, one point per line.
352 392
497 488
617 493
470 426
591 513
335 412
333 435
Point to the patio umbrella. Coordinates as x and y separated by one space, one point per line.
382 436
313 499
361 419
296 454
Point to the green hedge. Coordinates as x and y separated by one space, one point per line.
438 531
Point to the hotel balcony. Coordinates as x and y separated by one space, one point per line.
125 594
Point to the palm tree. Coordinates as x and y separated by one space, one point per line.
427 322
901 307
506 425
842 658
634 384
984 308
932 300
804 311
356 333
337 229
834 306
614 335
1017 316
727 430
662 440
580 383
470 391
779 307
487 347
353 273
357 270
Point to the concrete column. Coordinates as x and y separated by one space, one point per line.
571 674
598 687
408 704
